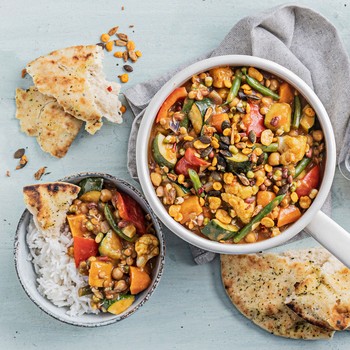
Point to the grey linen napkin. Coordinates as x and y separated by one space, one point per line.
299 39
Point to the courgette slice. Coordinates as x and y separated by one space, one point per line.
111 246
196 118
163 153
181 191
185 110
117 306
238 163
217 231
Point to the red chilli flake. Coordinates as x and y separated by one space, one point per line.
109 88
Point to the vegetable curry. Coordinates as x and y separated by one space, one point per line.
114 245
236 155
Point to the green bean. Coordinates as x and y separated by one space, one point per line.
297 112
258 87
265 211
195 179
235 87
114 226
301 166
273 147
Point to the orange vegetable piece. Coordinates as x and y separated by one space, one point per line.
265 197
288 215
76 224
286 93
139 280
177 94
217 120
100 272
190 208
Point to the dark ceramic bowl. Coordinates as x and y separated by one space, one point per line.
27 275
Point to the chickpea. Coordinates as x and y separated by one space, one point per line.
117 274
129 260
120 286
251 237
317 135
274 158
106 195
260 173
104 227
83 208
274 84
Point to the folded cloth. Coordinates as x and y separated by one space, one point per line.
299 39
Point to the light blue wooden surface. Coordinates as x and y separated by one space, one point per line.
189 310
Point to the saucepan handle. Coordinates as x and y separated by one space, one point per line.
332 236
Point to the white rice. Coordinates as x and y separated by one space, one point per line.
58 279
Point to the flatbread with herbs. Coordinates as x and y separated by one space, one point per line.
49 203
323 297
43 117
74 77
258 285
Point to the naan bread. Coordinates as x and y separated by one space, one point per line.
323 298
43 117
49 203
75 78
258 285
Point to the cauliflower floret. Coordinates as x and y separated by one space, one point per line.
243 210
146 247
292 149
220 75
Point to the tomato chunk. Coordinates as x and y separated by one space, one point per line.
256 120
83 249
177 94
183 165
190 156
309 182
129 210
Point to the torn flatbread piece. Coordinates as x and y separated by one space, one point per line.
49 203
258 285
323 297
43 117
75 78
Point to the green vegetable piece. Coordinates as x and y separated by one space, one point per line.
114 226
238 163
217 231
235 87
265 211
185 110
260 88
195 179
273 147
90 184
86 290
181 191
301 166
163 153
203 105
196 118
297 112
110 246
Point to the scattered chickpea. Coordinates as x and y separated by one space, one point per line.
105 37
124 78
109 46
